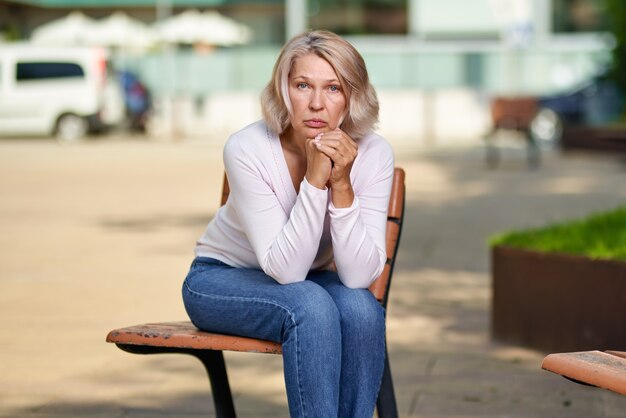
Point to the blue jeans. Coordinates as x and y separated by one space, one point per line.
333 337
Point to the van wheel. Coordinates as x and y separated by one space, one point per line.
71 128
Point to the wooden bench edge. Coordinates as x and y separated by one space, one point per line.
596 368
183 335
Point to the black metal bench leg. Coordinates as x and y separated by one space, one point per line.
216 368
386 403
534 154
492 156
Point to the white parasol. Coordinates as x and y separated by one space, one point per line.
69 30
210 27
121 31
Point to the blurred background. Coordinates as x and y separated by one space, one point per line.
187 68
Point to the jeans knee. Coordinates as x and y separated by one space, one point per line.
361 311
316 310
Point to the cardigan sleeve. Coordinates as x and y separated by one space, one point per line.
358 232
285 244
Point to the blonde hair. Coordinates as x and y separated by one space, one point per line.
349 66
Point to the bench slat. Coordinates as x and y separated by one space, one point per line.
595 368
185 335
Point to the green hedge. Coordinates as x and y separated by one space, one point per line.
599 236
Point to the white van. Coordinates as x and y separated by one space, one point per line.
65 91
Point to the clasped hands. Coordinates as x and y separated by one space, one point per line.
330 156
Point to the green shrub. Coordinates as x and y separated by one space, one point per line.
599 236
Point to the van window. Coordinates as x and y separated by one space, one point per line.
43 70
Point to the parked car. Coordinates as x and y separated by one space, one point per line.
595 102
67 92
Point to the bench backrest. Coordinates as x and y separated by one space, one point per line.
395 217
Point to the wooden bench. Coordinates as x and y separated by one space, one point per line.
185 338
604 369
512 114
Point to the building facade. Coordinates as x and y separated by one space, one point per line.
425 57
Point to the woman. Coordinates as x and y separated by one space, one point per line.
290 255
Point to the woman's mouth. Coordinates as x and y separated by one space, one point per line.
315 123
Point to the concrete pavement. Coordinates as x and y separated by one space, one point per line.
100 235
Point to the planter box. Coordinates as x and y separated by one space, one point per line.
556 302
609 139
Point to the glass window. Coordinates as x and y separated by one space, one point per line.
44 70
458 20
579 16
351 17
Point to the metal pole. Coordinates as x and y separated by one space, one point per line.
164 11
413 18
295 17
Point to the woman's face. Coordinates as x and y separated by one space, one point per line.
317 100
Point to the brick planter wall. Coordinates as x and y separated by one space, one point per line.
594 138
555 302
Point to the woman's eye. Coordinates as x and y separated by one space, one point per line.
302 85
333 88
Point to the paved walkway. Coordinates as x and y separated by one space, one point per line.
100 235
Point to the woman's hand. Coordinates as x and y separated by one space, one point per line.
318 165
342 150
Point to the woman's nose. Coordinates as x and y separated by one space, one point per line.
317 100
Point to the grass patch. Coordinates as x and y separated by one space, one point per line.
600 236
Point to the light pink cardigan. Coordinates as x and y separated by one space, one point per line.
266 225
